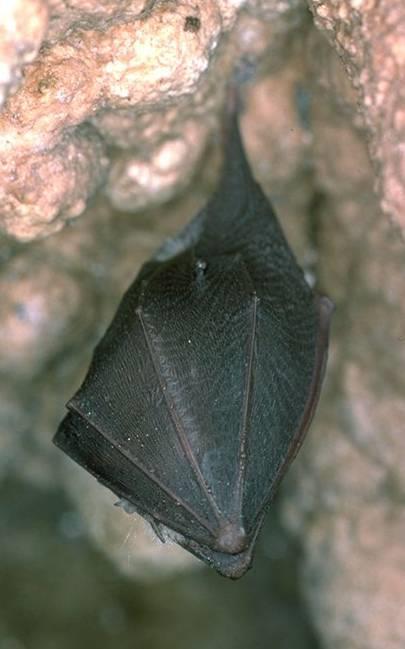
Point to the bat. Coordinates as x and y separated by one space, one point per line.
199 394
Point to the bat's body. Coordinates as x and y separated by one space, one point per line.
200 392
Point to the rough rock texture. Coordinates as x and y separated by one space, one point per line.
347 493
23 25
100 104
369 36
96 65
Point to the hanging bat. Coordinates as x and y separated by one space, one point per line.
200 393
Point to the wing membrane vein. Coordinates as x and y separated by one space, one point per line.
321 354
185 444
247 399
150 476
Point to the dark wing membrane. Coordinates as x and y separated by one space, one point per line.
122 399
284 349
229 565
291 351
112 468
199 326
166 386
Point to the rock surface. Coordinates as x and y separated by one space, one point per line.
346 497
109 75
23 25
125 102
369 38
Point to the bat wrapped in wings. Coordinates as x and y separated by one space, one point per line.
200 392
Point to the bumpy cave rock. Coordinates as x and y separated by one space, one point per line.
109 142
